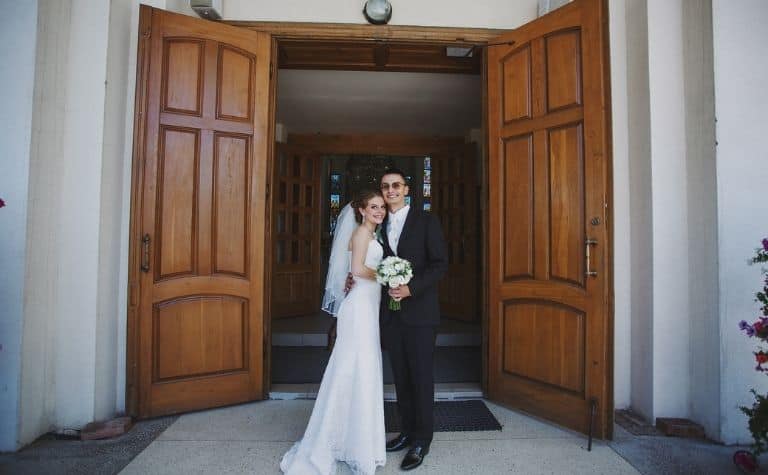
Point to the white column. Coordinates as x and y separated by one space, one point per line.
671 350
18 36
641 218
80 207
672 209
62 281
622 337
703 319
740 36
46 167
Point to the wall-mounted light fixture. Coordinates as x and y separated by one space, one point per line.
208 9
377 12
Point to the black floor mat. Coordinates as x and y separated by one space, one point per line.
306 364
450 416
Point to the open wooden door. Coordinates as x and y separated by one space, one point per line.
199 203
455 202
296 288
549 244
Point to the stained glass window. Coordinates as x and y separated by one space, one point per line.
335 201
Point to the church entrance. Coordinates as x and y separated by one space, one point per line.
214 270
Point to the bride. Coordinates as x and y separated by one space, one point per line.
347 422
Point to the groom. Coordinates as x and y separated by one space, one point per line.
409 333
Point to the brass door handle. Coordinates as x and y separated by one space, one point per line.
145 253
590 242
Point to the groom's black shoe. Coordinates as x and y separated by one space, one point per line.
414 457
398 443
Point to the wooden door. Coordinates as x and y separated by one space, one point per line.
199 213
549 244
455 202
296 288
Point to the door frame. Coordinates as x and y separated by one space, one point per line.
306 31
319 32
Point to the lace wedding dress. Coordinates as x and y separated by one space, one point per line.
347 422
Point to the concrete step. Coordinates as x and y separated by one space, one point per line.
306 364
321 339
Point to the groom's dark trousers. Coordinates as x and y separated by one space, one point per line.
409 333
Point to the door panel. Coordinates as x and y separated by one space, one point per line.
202 103
549 303
454 201
296 286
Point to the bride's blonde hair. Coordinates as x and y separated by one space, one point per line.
361 201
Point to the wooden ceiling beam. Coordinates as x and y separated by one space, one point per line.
349 31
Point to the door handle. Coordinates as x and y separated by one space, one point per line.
145 253
590 242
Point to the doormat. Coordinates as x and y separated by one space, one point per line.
450 416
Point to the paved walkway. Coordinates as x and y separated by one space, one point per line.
251 438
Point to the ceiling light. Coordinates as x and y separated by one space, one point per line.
459 51
377 12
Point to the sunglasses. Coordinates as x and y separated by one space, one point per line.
395 186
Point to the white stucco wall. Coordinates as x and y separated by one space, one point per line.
740 36
18 35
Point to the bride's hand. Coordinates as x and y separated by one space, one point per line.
350 282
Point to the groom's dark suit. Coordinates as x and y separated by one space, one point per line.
409 333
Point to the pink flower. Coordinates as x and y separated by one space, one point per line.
765 244
2 203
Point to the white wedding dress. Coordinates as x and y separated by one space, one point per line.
347 422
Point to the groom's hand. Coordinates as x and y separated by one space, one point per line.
399 293
350 282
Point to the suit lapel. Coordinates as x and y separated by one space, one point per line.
407 225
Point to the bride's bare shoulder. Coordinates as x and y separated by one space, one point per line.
359 236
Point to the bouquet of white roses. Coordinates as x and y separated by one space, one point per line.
393 272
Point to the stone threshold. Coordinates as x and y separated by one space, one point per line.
443 391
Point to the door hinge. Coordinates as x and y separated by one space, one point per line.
271 69
267 190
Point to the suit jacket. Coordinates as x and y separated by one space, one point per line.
422 243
